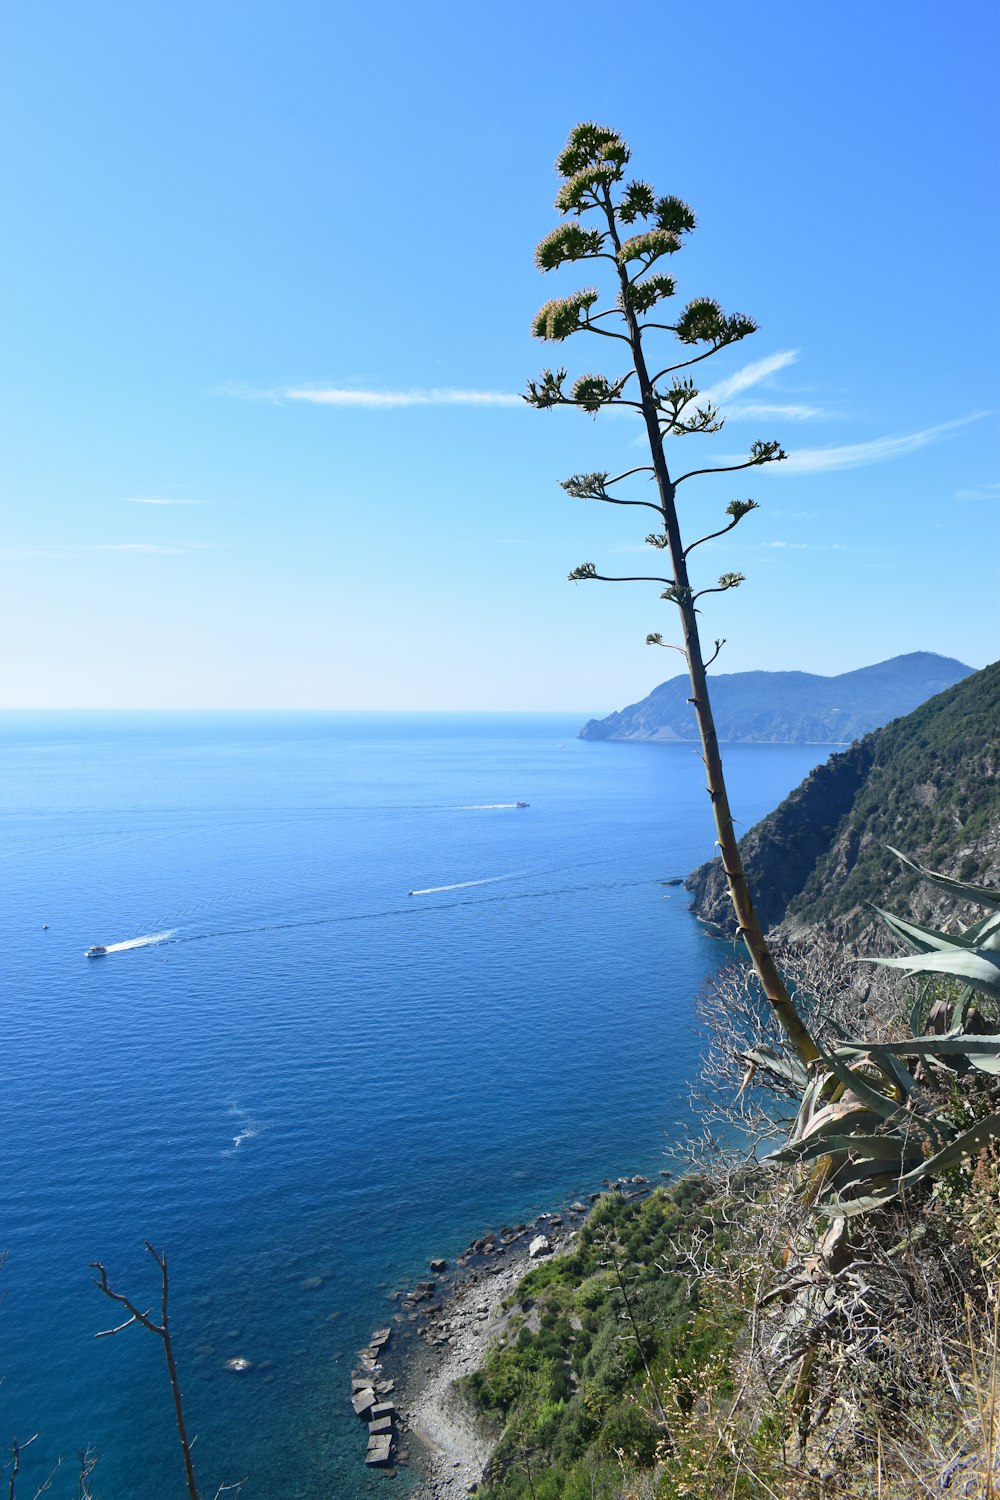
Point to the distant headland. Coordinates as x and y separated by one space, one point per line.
787 708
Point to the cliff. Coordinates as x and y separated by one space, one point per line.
787 707
926 783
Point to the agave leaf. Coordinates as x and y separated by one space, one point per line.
887 1061
938 1046
917 1012
922 939
986 925
976 967
981 894
837 1208
966 1144
958 1010
986 1064
985 933
843 1115
807 1108
876 1148
861 1087
786 1067
852 1173
801 1151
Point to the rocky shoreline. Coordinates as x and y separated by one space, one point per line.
403 1385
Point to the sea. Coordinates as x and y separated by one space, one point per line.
360 1006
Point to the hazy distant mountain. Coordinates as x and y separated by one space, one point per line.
787 708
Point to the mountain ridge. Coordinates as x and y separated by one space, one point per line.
787 707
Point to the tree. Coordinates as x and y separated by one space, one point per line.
592 166
162 1331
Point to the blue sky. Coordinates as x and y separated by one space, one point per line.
270 282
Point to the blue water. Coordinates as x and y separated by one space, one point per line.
317 1074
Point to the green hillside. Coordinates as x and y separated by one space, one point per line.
926 783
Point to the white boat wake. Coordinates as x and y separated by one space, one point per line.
461 885
488 806
139 942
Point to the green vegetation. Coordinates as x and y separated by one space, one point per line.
927 782
932 788
827 1325
610 1344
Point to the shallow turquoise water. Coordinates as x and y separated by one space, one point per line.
317 1074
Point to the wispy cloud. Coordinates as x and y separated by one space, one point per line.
434 396
158 500
755 410
980 492
757 372
855 455
752 374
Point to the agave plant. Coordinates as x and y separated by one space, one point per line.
875 1119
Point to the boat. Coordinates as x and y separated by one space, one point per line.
97 951
521 804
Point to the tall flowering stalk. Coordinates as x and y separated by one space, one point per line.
606 218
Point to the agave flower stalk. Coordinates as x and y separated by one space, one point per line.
592 167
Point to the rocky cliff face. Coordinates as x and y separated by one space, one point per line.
789 708
926 783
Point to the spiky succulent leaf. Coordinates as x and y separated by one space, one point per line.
986 932
562 315
835 1119
860 1085
969 1045
970 1143
788 1067
875 1151
840 1208
567 242
982 895
889 1064
974 966
922 939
